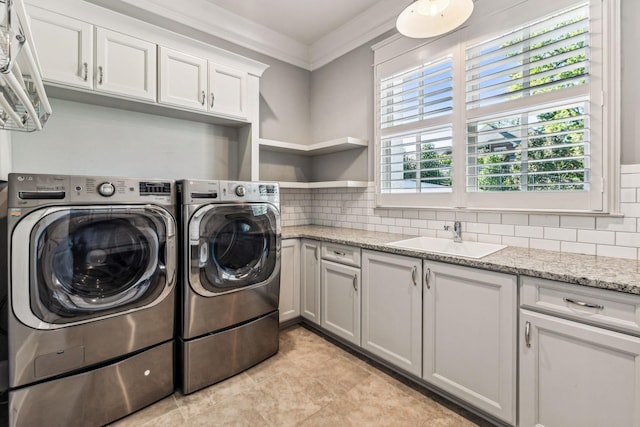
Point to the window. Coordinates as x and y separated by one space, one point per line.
490 117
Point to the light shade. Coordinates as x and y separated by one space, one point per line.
429 18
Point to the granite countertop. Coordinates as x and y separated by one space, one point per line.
599 272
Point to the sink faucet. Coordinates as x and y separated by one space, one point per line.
456 230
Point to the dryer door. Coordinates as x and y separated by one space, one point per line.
233 247
86 263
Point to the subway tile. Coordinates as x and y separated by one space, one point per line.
515 219
419 223
630 180
436 225
388 221
578 248
628 239
521 242
410 214
491 218
490 238
467 216
630 209
402 222
549 245
476 227
586 222
410 231
599 237
529 231
628 195
553 233
382 228
427 232
544 220
427 215
446 216
617 251
626 169
394 229
616 224
502 229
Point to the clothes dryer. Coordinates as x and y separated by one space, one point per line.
230 278
91 297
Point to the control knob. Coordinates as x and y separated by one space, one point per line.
241 190
106 189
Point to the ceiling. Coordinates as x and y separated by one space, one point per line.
305 33
306 21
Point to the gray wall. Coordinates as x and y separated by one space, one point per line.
84 139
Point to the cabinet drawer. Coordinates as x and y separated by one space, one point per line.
343 254
599 307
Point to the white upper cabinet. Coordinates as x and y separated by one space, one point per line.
183 79
108 62
125 65
227 91
65 48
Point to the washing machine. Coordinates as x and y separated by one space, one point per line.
230 278
91 295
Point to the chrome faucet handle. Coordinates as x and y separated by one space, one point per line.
456 230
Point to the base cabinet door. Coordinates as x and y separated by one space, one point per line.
577 375
340 294
310 280
290 280
470 336
392 309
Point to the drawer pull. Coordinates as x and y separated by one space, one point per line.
339 253
355 283
527 334
426 278
584 304
414 271
315 253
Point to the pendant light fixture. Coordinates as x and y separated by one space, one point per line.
429 18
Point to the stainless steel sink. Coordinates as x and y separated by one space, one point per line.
448 247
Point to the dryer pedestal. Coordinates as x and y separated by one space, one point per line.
96 397
220 355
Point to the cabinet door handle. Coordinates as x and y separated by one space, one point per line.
426 278
355 283
85 68
414 272
204 96
339 253
100 74
213 98
584 304
315 253
527 334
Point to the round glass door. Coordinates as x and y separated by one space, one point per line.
90 262
237 247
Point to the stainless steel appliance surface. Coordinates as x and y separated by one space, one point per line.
91 293
230 278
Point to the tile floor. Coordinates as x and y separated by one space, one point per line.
310 382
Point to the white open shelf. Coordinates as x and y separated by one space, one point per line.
324 184
325 147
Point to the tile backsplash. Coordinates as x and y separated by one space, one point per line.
593 235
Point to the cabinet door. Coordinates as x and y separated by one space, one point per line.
310 280
65 48
290 280
227 91
125 65
470 335
577 375
392 309
340 293
183 79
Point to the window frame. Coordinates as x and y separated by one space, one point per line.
395 52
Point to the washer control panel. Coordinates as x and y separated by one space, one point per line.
249 191
106 189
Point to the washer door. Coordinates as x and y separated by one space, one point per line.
92 262
233 247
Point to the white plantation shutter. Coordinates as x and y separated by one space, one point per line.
416 106
529 89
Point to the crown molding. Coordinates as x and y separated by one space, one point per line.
213 20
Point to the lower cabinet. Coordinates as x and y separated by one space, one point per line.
392 309
310 280
340 296
470 336
289 280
